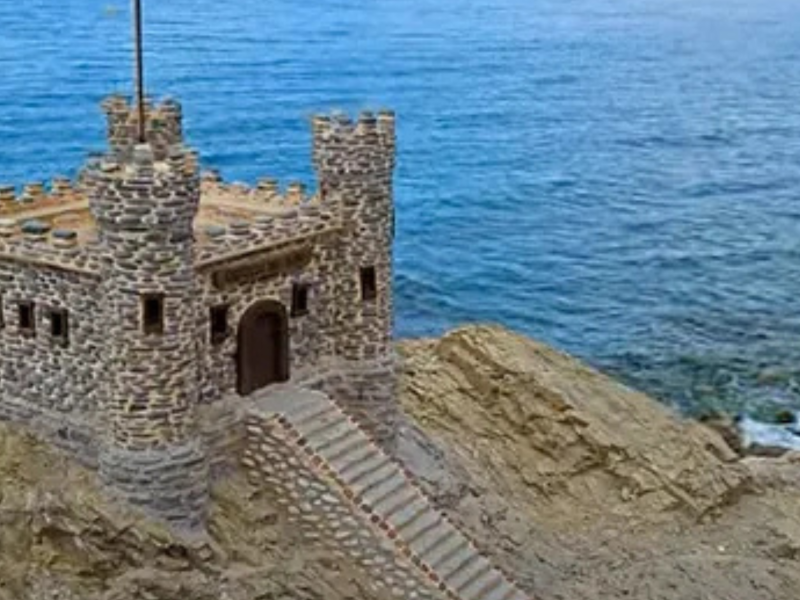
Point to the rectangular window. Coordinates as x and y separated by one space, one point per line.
59 326
219 323
27 320
299 299
369 284
153 313
2 316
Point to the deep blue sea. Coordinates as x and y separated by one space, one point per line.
620 178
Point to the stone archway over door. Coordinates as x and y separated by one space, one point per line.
263 346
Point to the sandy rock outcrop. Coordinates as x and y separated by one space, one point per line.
587 489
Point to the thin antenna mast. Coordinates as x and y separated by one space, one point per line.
139 75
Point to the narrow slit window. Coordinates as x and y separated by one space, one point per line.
219 323
299 299
369 284
27 322
59 326
153 313
2 316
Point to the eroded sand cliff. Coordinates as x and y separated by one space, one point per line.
578 485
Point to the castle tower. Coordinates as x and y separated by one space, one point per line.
144 200
163 126
355 164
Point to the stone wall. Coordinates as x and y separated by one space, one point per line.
62 374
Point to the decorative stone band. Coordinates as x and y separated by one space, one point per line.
380 491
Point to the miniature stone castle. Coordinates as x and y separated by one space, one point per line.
161 325
147 289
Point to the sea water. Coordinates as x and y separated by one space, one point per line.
620 178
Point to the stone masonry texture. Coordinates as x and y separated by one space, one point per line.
80 259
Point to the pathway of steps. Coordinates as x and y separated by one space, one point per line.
388 496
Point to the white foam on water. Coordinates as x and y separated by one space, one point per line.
767 434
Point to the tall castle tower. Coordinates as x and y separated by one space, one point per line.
144 198
355 165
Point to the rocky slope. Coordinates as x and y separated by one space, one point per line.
582 487
588 489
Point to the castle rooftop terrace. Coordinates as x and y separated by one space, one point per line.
53 226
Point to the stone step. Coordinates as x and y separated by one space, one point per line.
483 586
473 569
373 474
421 522
451 560
334 449
506 591
329 437
389 490
424 535
386 484
344 450
409 513
319 428
397 502
350 457
435 546
310 412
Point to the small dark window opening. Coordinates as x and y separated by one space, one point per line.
2 317
369 284
219 323
59 326
153 313
27 323
299 299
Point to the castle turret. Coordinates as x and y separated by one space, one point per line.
163 126
144 202
355 164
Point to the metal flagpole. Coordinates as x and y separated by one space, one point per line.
139 75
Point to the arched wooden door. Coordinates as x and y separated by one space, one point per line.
263 346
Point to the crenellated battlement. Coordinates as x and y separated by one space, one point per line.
266 192
347 149
36 195
163 127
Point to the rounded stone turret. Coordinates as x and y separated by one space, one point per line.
144 206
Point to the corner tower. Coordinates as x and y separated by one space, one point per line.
355 163
144 200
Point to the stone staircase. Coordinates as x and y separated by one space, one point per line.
387 496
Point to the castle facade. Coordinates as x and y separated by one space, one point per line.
146 289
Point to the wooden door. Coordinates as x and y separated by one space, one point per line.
263 356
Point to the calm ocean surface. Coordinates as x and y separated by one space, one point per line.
620 178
